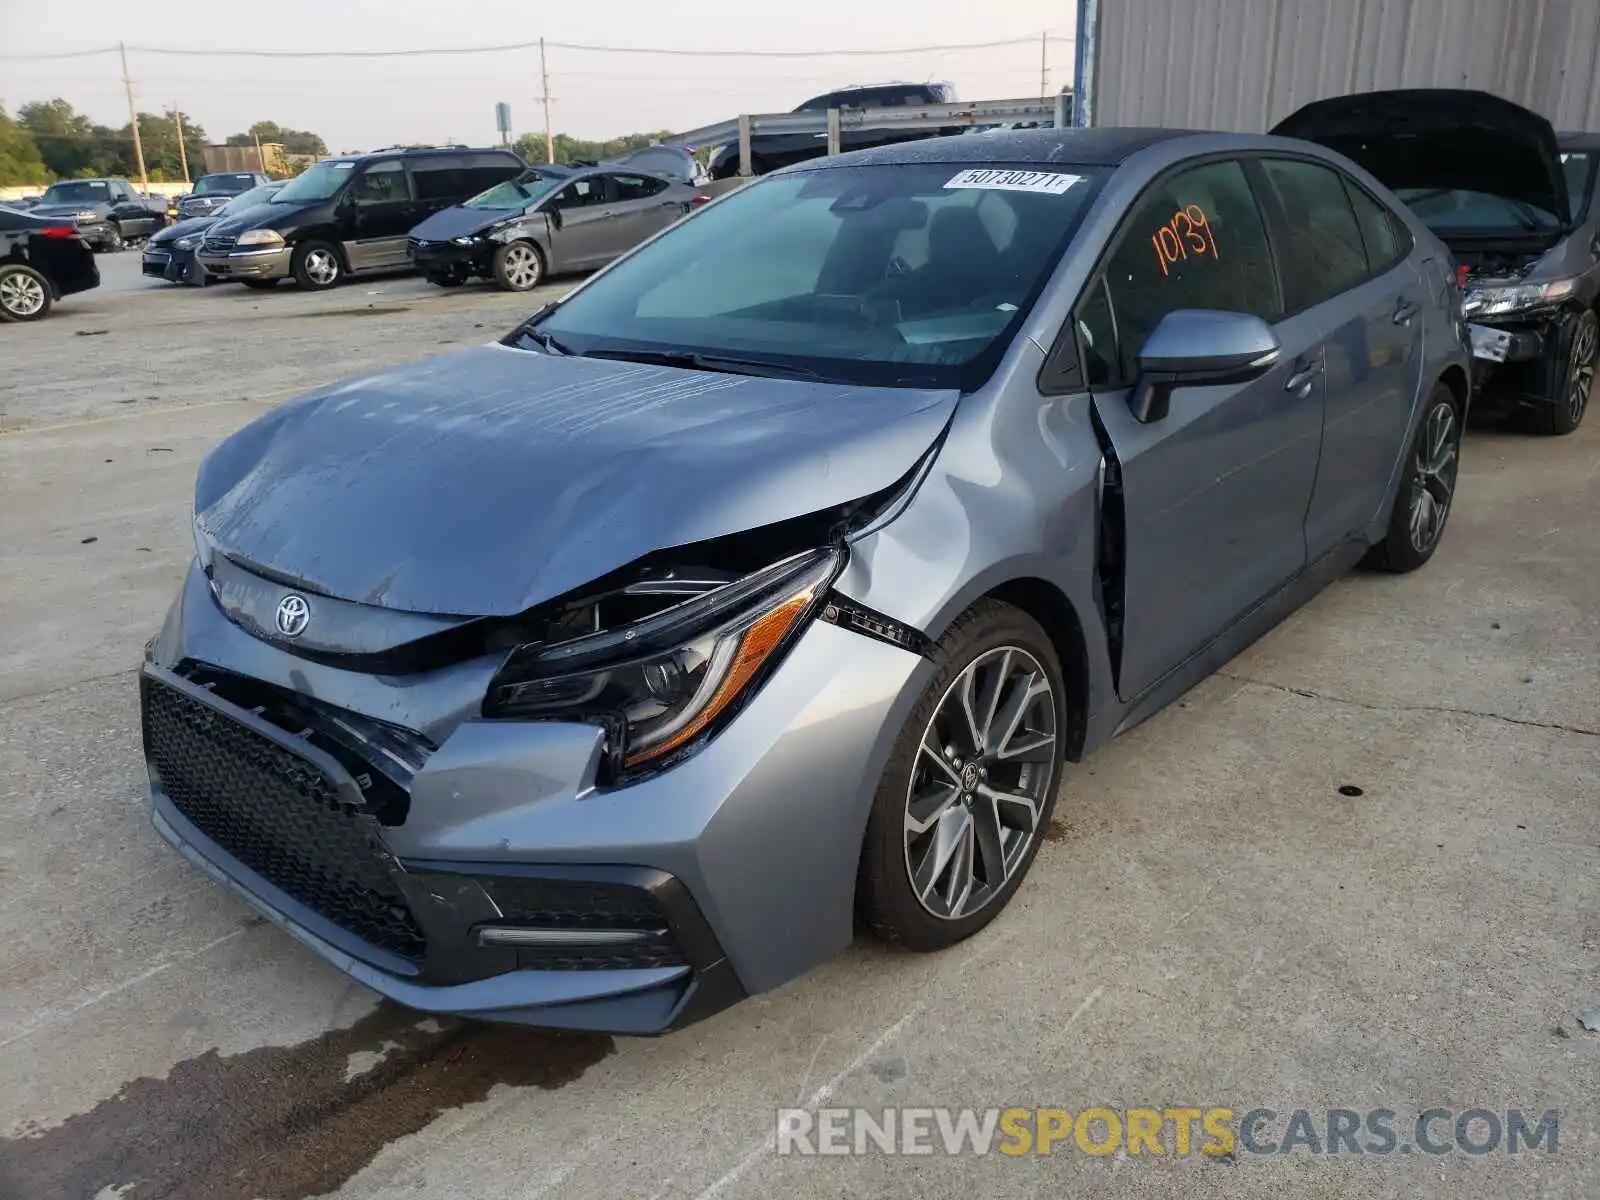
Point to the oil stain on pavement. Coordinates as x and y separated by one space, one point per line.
285 1123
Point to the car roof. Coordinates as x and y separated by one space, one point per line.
1088 147
417 152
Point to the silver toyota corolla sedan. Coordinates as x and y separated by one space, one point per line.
773 578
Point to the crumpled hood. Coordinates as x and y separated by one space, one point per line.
485 481
1441 138
459 221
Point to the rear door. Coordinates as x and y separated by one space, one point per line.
1346 267
382 213
644 207
1214 494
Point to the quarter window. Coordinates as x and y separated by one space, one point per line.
1324 248
1195 240
1384 237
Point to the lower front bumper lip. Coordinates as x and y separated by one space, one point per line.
635 1001
270 262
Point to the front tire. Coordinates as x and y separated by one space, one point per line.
317 267
24 294
114 240
518 266
969 786
1564 412
1427 488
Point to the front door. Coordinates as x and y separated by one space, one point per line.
133 216
381 213
587 227
1214 494
1348 268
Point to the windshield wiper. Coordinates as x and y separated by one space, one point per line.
695 361
548 342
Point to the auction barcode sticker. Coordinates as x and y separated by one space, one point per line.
1050 182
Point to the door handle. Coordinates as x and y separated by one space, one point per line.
1404 311
1305 371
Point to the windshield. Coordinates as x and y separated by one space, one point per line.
244 200
1457 210
900 275
78 192
517 193
222 183
316 183
1578 167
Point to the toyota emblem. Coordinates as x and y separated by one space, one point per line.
293 615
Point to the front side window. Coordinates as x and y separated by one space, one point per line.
1324 252
900 275
381 183
1195 240
636 187
581 193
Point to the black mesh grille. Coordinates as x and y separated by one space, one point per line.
575 904
218 245
277 813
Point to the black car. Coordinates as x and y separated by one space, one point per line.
108 212
349 214
769 151
170 254
41 260
213 191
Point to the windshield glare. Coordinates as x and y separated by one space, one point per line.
77 193
1456 209
516 193
221 183
244 200
907 274
316 183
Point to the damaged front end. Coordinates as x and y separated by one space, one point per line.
1521 322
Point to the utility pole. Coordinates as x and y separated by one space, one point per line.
133 120
549 134
1044 65
261 159
183 151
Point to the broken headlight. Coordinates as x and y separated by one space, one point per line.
657 683
1521 297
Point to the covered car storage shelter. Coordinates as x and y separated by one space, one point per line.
1244 65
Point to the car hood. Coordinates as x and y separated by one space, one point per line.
66 210
483 482
182 229
267 215
460 221
1441 138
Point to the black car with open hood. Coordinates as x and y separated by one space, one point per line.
1490 178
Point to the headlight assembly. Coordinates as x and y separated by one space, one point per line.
260 237
468 240
658 683
87 214
1498 301
186 243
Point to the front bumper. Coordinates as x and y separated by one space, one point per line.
1526 357
747 850
446 258
269 262
175 266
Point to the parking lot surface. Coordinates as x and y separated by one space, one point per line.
1358 868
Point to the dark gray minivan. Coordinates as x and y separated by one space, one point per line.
349 214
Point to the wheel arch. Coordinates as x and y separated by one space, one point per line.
1054 611
1455 378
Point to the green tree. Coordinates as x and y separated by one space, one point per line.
19 156
65 137
159 136
293 141
571 149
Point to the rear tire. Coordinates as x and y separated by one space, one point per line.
317 266
24 294
519 266
1564 412
978 805
1427 488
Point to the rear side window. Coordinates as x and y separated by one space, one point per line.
636 187
1195 240
1386 239
381 183
483 171
441 177
1324 254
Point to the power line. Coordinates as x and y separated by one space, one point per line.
579 47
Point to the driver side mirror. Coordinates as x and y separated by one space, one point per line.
1194 347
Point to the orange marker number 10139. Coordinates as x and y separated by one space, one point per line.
1188 232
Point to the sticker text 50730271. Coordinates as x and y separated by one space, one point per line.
1052 183
1186 232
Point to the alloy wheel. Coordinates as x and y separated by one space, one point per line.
322 267
1433 476
522 267
1580 376
21 295
981 777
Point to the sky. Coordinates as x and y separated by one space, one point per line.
362 104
